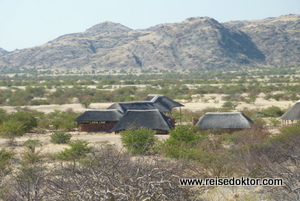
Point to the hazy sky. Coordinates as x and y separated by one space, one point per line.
27 23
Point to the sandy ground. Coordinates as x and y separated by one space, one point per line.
50 108
46 146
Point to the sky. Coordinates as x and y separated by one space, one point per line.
28 23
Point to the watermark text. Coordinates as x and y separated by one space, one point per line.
242 181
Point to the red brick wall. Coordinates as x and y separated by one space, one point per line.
101 127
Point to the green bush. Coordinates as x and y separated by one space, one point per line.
31 144
17 124
289 132
30 155
60 137
183 133
182 140
272 111
59 120
139 141
3 115
230 105
78 150
26 118
5 157
11 129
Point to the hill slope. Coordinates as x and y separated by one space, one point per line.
3 52
195 43
277 38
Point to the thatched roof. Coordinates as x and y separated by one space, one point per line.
224 120
137 105
293 113
153 101
135 119
100 115
162 101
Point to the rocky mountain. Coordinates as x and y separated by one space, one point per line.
195 43
277 38
3 52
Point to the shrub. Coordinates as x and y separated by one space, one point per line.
26 118
139 141
230 105
289 132
272 111
5 157
274 122
11 129
78 150
30 155
183 133
31 144
182 139
59 120
60 137
3 115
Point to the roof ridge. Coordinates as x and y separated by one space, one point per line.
224 113
155 109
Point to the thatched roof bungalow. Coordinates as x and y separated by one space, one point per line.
98 120
105 120
151 118
229 121
292 114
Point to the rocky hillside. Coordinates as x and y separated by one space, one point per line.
277 38
195 43
3 52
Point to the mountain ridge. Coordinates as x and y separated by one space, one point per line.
3 52
194 43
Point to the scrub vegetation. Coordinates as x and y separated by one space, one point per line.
146 168
241 86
